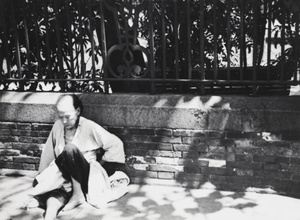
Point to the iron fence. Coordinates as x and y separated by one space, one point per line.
150 46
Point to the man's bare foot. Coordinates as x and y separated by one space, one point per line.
73 203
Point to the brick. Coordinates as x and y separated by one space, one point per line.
295 177
143 174
165 175
140 131
264 158
164 146
41 127
294 160
291 136
43 133
163 132
230 157
190 177
284 167
216 149
216 171
243 135
140 166
9 152
2 146
6 145
274 144
34 133
135 152
250 181
15 132
4 132
26 133
295 168
187 161
259 173
8 125
203 163
191 147
26 166
215 179
276 174
214 142
191 154
116 130
296 149
243 143
192 184
216 156
147 138
228 143
9 139
244 157
25 139
278 151
21 159
216 163
243 172
271 166
39 140
144 146
168 160
165 168
6 158
151 174
11 165
191 169
286 160
238 187
248 150
164 153
215 134
244 165
188 133
24 126
150 160
192 140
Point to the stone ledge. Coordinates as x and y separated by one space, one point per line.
218 113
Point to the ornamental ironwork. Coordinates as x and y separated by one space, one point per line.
127 59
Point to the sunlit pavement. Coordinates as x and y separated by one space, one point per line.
158 202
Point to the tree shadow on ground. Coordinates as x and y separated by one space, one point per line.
168 203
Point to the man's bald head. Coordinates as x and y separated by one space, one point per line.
69 102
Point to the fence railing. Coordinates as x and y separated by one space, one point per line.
179 46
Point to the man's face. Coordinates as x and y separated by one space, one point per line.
67 113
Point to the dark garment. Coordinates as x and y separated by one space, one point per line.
59 194
110 167
72 163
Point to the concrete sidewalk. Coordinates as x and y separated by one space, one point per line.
159 202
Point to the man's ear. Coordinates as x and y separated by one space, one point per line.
78 110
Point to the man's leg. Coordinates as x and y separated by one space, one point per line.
77 197
75 168
54 205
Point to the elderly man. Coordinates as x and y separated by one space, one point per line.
80 162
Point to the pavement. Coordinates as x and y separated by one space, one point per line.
157 202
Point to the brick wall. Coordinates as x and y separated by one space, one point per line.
21 144
248 154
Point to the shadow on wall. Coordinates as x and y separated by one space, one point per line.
222 142
203 153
